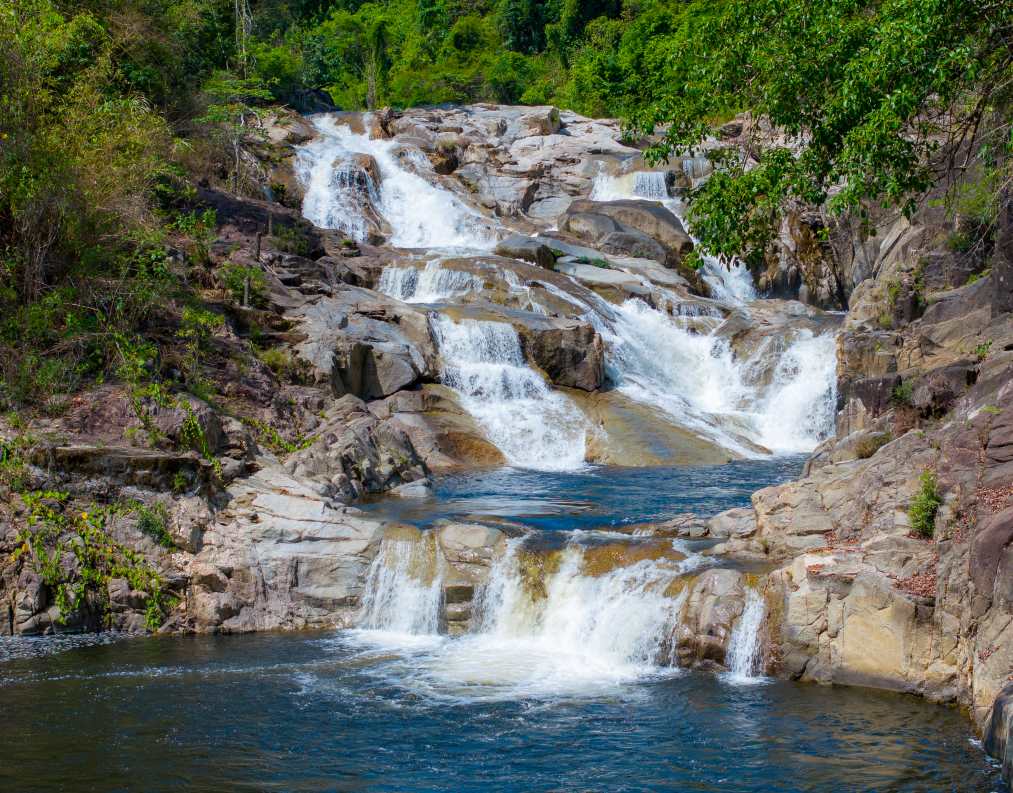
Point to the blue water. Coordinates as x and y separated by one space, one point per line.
314 712
593 497
352 711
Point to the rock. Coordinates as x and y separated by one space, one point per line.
356 453
190 519
716 599
291 558
529 249
422 488
312 100
991 554
507 195
998 739
540 121
737 522
648 217
571 354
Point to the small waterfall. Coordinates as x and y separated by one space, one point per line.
432 284
533 426
744 654
420 214
616 622
403 588
652 185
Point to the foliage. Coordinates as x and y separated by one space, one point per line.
924 506
55 534
273 440
246 284
196 329
865 101
153 521
902 393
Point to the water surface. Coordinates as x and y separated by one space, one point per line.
596 496
328 712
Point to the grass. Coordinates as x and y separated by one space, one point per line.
924 506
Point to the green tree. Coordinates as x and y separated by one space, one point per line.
871 100
230 109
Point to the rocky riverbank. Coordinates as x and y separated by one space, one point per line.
358 362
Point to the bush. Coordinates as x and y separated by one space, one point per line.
924 506
242 281
902 393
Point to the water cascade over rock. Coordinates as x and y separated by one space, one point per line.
744 648
532 425
732 371
420 215
432 284
549 616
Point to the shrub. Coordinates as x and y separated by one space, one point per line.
902 393
924 506
154 521
244 282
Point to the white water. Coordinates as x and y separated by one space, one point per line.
744 655
420 214
532 425
696 379
432 284
582 636
403 589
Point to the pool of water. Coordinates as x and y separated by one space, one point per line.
337 712
592 497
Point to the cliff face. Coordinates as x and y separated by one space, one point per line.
925 384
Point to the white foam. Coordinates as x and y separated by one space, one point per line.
533 426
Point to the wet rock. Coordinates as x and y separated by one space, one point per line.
571 354
716 598
998 739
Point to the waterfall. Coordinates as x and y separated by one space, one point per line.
696 379
652 185
432 284
420 214
616 621
743 656
403 588
533 426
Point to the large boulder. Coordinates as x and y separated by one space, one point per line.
357 453
279 556
649 217
570 352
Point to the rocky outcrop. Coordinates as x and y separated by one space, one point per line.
355 453
278 555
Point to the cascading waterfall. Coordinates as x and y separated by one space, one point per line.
695 378
420 214
744 654
533 426
432 284
403 588
578 631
